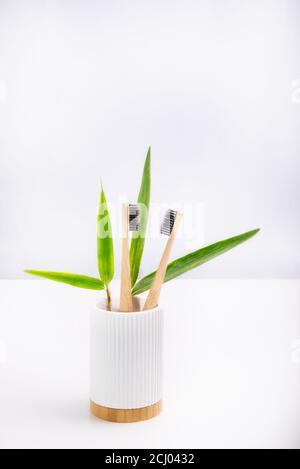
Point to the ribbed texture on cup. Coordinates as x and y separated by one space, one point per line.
126 358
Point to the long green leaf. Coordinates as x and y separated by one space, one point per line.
193 260
138 237
105 242
75 280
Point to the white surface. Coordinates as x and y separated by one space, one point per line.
126 358
232 368
212 85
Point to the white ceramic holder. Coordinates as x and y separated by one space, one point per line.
126 363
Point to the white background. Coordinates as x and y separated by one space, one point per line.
87 86
214 87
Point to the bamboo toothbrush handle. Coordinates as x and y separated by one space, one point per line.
126 304
154 294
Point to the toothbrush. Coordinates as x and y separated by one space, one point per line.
131 222
169 227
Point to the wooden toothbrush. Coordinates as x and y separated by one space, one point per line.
170 226
130 222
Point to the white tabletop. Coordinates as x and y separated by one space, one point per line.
232 375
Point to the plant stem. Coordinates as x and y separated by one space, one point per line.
108 295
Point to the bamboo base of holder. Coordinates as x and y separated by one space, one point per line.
126 415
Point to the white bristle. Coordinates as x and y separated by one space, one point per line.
168 222
134 217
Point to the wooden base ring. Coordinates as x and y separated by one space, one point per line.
126 415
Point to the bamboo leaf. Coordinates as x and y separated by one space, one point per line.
75 280
105 242
193 260
138 237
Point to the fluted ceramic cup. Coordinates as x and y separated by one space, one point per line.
126 363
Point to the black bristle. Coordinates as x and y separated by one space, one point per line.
168 222
134 217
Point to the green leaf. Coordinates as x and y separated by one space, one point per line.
75 280
105 242
193 260
138 237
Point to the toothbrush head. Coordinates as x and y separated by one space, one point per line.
134 217
168 222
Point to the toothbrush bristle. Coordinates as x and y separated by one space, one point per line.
134 217
168 222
